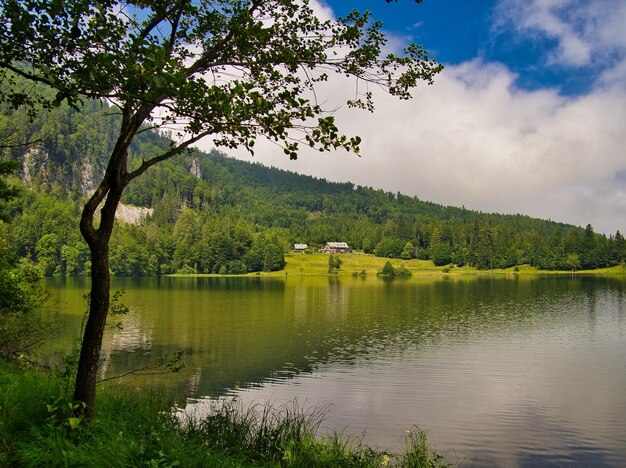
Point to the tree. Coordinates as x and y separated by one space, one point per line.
441 254
273 258
7 191
230 69
389 248
21 286
387 270
48 252
334 263
408 252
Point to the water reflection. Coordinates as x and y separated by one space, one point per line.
509 372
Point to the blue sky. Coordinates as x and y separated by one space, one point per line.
528 116
455 31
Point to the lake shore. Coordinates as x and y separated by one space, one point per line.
359 264
131 428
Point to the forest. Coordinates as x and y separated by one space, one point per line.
216 214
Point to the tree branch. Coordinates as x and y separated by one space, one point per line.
167 155
202 64
171 362
28 76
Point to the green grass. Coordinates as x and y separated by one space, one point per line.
300 264
355 263
133 429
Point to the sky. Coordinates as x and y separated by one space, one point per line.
528 116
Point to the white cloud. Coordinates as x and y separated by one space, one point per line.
587 32
474 139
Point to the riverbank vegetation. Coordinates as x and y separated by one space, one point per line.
368 266
135 429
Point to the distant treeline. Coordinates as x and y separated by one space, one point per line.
214 214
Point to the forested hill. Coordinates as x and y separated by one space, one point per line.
213 213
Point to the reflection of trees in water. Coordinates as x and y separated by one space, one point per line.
243 331
133 336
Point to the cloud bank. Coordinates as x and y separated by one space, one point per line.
475 138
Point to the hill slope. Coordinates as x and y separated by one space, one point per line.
213 213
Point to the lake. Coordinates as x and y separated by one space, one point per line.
499 371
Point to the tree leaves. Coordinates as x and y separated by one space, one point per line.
227 68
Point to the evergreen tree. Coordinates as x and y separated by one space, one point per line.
408 252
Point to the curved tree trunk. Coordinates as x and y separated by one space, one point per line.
108 194
87 371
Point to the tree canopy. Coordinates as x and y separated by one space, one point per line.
230 69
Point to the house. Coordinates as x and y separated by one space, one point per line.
300 247
336 248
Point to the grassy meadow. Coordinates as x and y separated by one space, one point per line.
355 263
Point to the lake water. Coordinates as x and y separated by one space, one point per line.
498 371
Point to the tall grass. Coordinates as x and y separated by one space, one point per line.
133 429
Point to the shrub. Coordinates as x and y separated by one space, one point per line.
387 270
20 328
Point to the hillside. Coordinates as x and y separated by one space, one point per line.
215 214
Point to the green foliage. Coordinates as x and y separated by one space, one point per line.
135 429
22 291
408 252
236 267
273 258
99 53
202 224
387 270
441 254
402 272
418 453
390 248
65 413
7 191
334 263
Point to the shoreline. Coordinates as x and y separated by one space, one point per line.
367 265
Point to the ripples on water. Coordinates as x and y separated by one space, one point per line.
498 372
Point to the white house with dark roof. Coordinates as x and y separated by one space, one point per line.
336 248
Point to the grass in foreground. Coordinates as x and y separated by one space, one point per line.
139 430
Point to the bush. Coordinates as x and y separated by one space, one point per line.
21 329
403 272
387 270
423 254
186 270
408 252
441 254
334 263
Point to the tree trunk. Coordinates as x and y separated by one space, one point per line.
99 298
108 193
87 371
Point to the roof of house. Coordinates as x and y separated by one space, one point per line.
337 245
300 246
